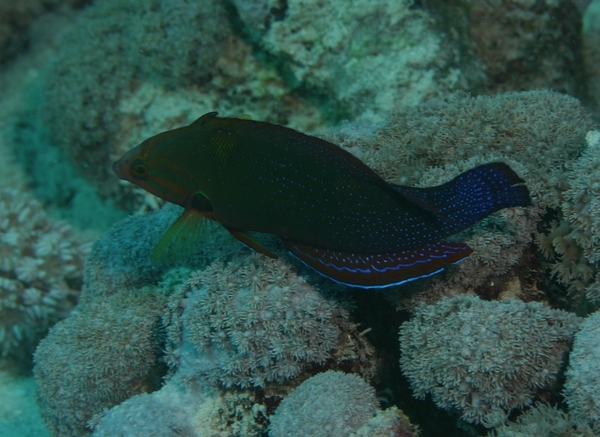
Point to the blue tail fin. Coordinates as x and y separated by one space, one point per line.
471 196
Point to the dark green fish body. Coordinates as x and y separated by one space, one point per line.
323 202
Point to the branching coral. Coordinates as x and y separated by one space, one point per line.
583 375
484 358
41 270
253 321
330 404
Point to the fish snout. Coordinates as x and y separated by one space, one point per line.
119 167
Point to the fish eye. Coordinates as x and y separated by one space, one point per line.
139 169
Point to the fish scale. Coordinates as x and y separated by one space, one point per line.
331 210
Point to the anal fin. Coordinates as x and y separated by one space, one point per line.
380 270
252 242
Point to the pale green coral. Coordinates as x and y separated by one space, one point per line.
576 238
102 355
329 404
583 375
167 412
484 358
387 423
543 421
252 321
540 130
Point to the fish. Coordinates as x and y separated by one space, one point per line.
330 210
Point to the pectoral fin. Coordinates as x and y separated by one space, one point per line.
181 239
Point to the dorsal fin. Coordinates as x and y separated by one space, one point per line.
204 118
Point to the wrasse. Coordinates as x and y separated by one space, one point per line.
330 210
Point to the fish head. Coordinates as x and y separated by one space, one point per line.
156 165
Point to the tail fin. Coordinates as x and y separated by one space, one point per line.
472 196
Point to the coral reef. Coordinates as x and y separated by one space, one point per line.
583 375
100 59
240 321
16 19
538 133
251 322
121 258
543 421
184 410
484 358
575 239
163 413
41 263
105 353
410 61
537 51
390 422
209 346
330 404
247 321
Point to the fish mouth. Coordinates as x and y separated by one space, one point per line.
119 168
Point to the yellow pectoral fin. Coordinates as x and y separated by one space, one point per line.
181 239
249 240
